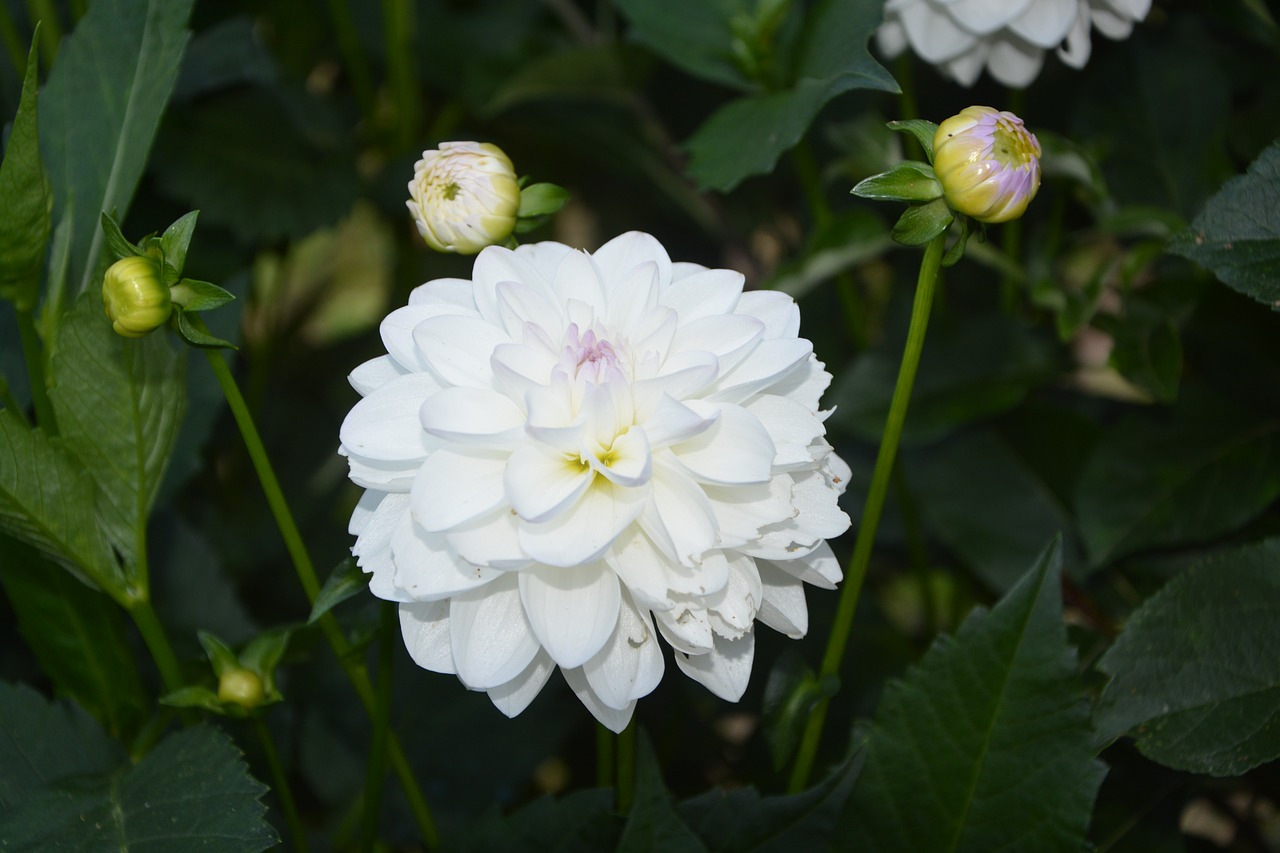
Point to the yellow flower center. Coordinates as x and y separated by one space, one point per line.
1012 146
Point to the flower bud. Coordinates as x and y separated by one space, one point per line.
240 686
136 300
464 196
988 163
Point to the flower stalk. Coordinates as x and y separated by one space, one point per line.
926 285
305 569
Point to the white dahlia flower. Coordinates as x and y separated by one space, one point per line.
1007 37
573 453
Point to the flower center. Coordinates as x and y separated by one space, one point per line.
587 356
1012 146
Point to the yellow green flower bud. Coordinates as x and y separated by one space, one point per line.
988 163
464 196
242 687
135 299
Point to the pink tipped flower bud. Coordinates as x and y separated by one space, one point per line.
464 196
988 163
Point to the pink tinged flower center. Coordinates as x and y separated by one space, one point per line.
588 357
1012 146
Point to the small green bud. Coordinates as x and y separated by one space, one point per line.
241 687
137 302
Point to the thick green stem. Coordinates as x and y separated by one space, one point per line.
604 756
280 782
880 477
306 572
626 768
153 634
376 770
33 354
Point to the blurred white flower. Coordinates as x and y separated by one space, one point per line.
1007 37
464 196
571 454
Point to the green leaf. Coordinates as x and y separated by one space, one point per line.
100 109
194 295
923 131
65 786
741 820
580 821
969 371
985 744
117 244
25 199
1195 678
653 823
608 73
119 403
747 136
692 36
80 638
907 181
1155 481
541 199
263 653
48 500
221 656
987 504
193 331
920 223
1237 234
346 580
176 239
194 697
792 691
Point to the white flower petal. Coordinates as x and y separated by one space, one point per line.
491 638
639 565
624 253
384 426
632 296
541 482
397 331
983 17
519 304
613 719
672 421
790 425
1107 21
375 373
376 474
445 291
496 264
491 540
703 579
732 610
729 337
805 385
514 696
366 510
934 37
726 669
820 567
628 461
426 568
454 487
704 294
778 312
966 68
573 611
1014 62
684 375
741 512
736 449
457 349
818 517
686 628
577 279
1077 47
768 364
475 416
1046 24
891 38
584 533
678 517
425 626
382 583
630 664
783 607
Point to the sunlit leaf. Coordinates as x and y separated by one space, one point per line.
1195 677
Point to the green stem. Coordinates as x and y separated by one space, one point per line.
306 572
352 54
33 354
626 768
153 634
42 11
280 781
926 284
398 23
604 756
376 771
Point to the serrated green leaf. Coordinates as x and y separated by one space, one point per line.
1237 234
100 109
119 404
985 744
653 823
747 136
988 505
1195 678
581 821
692 36
346 580
1156 481
79 636
969 371
49 501
25 199
741 820
65 786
